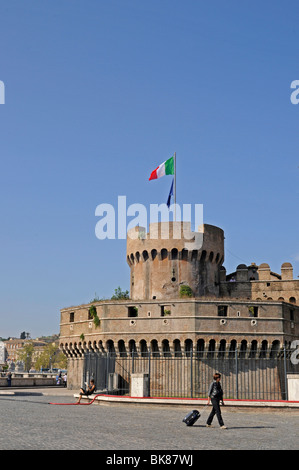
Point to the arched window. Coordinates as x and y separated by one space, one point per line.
110 347
174 253
165 348
122 348
164 254
188 347
275 348
253 349
177 348
155 348
222 347
212 345
233 347
264 348
132 347
200 348
143 348
243 348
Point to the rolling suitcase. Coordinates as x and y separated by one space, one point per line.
191 417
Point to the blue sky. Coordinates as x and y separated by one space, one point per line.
99 93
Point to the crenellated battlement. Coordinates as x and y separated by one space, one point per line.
260 272
260 283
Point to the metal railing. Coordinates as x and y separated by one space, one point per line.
255 376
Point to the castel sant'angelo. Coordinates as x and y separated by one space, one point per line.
181 298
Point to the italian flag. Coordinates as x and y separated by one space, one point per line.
166 168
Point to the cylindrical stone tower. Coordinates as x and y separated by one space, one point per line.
171 255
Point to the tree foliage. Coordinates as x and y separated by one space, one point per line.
51 357
185 291
26 354
120 294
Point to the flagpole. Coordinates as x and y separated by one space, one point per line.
174 186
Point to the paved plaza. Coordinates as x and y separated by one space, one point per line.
29 422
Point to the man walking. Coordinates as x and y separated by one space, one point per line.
216 396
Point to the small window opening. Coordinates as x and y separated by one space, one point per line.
165 310
222 310
132 312
253 311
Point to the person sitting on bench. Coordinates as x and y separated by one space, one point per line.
88 391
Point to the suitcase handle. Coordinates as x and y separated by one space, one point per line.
204 407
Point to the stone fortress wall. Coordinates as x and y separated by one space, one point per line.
251 309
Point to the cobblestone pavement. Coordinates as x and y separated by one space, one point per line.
30 422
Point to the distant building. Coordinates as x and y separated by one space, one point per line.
2 352
15 346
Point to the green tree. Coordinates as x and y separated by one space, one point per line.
26 355
60 360
51 357
120 295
